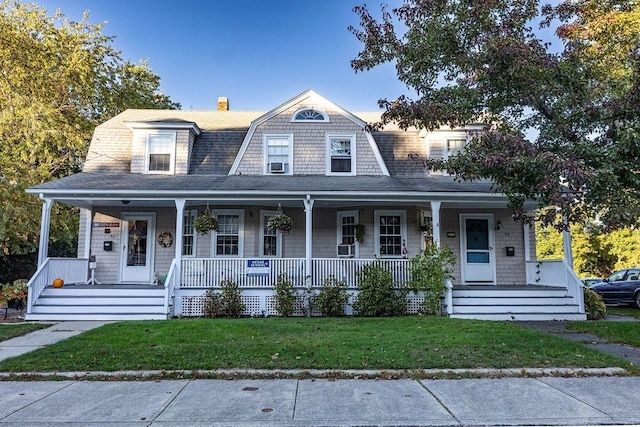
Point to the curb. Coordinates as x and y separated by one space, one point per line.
232 374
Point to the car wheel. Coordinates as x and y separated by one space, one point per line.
637 299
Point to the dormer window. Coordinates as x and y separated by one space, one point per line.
278 154
310 115
341 154
160 152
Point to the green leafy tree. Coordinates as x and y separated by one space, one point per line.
564 126
58 80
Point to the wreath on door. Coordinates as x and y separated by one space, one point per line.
165 239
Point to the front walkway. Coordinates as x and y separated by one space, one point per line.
559 328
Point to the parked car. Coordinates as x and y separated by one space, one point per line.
590 281
622 287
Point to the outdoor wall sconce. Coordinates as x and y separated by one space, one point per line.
498 225
125 202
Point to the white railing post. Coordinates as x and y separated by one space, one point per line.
308 210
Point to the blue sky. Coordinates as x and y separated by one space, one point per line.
257 53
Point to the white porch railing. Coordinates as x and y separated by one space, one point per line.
346 269
209 272
169 286
71 270
556 273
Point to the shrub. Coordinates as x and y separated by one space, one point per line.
429 271
378 295
332 297
231 299
285 295
593 305
212 304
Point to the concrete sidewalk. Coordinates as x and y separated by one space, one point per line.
290 402
43 337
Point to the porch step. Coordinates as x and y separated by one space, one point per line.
514 303
99 303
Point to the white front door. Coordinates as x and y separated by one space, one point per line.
476 248
137 248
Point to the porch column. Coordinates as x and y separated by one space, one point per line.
566 243
527 241
45 223
180 203
435 222
308 210
87 214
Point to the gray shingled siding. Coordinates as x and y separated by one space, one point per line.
110 151
309 144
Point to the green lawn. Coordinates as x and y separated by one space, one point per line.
12 330
309 343
618 332
624 311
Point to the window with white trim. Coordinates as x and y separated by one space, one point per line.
228 241
278 154
309 115
270 240
341 154
188 233
453 147
347 221
160 152
390 233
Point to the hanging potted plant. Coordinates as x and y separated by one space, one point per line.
280 222
206 222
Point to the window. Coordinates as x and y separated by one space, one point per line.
340 154
271 241
346 227
309 115
390 233
278 154
160 152
188 233
228 240
454 146
347 221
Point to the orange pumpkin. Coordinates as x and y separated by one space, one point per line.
57 283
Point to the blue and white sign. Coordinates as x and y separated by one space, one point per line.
258 268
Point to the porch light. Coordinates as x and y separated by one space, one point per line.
498 225
125 202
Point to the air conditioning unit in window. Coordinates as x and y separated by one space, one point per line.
346 251
276 167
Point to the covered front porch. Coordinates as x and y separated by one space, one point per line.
121 235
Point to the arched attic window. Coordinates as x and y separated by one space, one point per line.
309 115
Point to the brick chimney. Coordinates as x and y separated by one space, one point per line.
223 103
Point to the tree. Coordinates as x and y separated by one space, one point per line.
58 80
564 126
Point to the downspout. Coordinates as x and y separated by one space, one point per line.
45 223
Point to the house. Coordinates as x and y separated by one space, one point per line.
149 174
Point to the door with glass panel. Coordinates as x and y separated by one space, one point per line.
477 243
137 248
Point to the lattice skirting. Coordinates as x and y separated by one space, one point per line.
265 305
